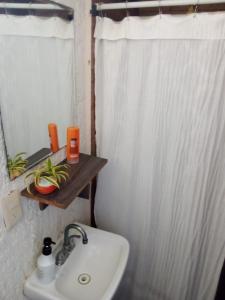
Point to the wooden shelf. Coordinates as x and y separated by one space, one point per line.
81 175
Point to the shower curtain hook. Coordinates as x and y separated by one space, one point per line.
127 11
6 10
160 9
100 9
29 10
196 8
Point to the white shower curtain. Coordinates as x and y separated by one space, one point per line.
36 80
160 117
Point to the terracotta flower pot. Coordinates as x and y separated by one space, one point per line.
45 187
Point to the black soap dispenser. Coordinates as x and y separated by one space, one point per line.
46 263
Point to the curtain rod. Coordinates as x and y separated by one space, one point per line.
10 5
40 9
96 8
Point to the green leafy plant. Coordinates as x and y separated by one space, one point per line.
17 165
53 174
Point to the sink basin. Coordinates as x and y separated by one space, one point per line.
91 272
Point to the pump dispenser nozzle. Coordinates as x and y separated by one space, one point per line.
47 249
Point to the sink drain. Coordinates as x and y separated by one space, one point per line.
84 278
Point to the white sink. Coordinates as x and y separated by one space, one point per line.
92 271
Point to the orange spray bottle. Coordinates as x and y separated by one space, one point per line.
53 136
73 145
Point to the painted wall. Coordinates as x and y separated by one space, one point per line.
20 246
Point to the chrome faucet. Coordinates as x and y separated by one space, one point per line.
69 243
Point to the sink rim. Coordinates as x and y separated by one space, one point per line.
51 292
118 275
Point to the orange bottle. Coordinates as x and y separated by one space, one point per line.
73 145
53 136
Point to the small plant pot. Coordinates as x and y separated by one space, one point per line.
45 187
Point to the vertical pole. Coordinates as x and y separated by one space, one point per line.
93 127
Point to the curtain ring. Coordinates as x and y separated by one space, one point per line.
160 9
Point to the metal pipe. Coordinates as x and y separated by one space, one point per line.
156 3
52 8
37 6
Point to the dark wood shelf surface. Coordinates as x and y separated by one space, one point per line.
81 174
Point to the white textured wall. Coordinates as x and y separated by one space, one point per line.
20 246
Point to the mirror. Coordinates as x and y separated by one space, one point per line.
36 88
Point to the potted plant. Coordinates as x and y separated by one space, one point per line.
48 177
17 165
